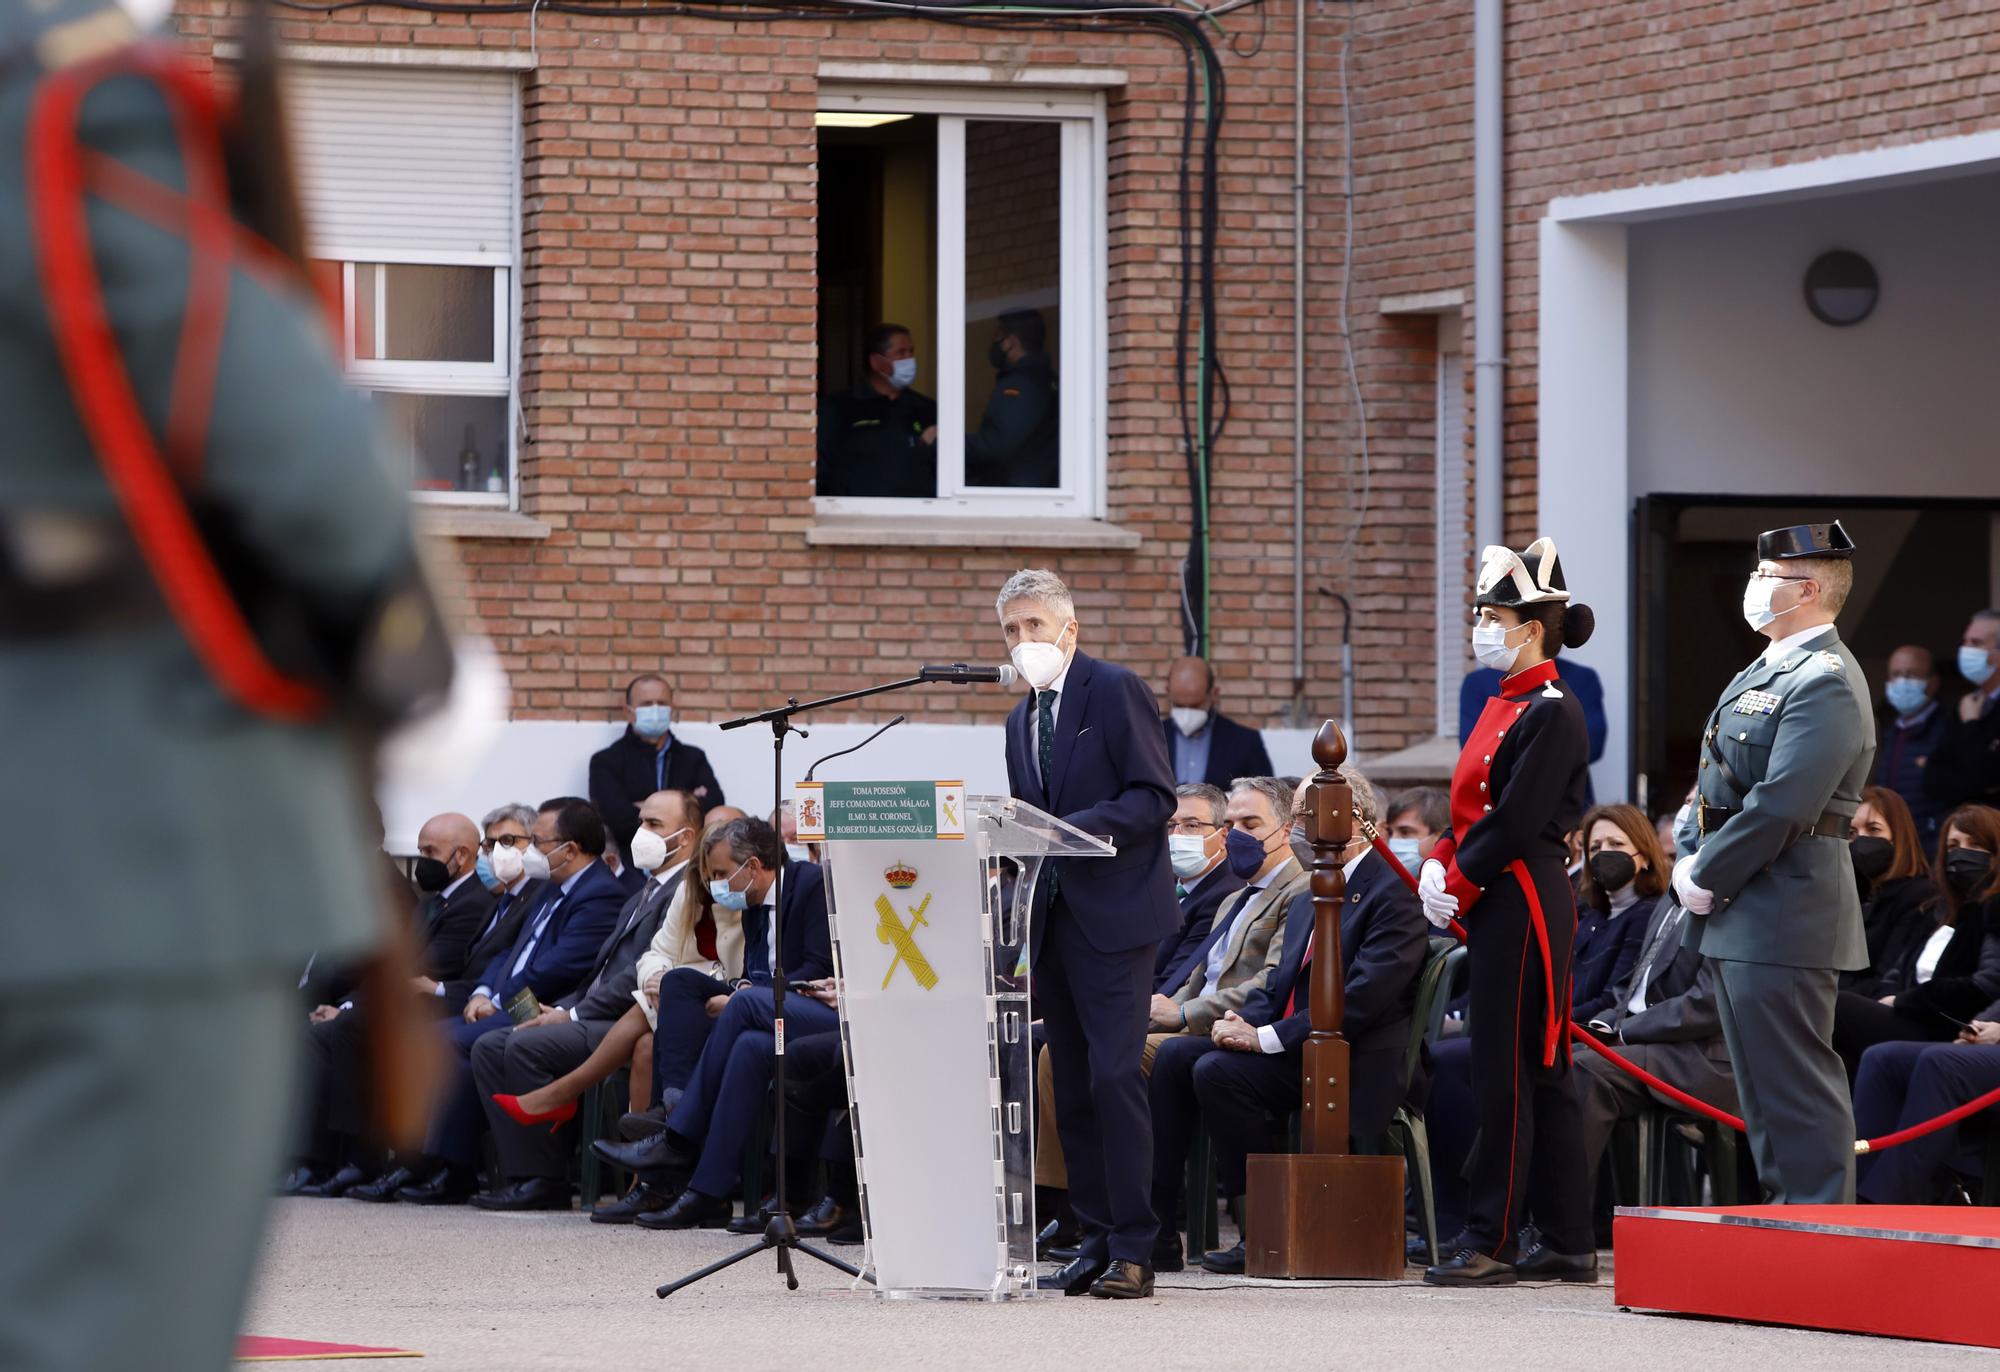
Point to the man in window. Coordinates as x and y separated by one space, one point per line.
1016 442
880 437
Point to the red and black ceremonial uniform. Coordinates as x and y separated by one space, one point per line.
1516 793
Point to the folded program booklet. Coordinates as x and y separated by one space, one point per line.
524 1006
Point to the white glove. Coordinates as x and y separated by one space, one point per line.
1440 905
1693 899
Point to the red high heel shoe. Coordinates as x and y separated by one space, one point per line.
555 1119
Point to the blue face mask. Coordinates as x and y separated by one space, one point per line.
726 899
482 867
1246 853
1974 665
1906 694
1405 850
652 721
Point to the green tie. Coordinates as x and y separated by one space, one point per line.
1180 891
1045 702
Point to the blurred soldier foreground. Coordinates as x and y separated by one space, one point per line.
185 815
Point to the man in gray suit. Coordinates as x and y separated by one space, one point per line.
1663 1017
1765 866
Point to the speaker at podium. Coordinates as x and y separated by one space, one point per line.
929 891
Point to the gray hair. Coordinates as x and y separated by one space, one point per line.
1038 584
1211 796
1272 789
523 815
1367 801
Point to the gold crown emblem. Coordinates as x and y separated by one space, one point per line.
901 875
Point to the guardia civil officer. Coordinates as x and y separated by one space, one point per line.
1518 790
207 593
1783 761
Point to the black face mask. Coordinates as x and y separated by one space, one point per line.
996 353
1872 857
1966 869
1612 870
432 876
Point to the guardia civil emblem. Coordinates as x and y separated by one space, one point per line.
890 929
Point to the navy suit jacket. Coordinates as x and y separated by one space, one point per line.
1383 943
1178 950
1481 684
1109 776
808 947
568 946
1605 952
1234 750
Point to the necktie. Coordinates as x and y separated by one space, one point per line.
1300 982
1180 891
1045 734
660 769
499 913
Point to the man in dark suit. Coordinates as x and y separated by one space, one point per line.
1086 745
556 945
1664 1018
1201 878
644 759
1202 743
534 1157
455 908
1383 943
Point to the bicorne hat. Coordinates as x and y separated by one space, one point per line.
1804 540
1530 578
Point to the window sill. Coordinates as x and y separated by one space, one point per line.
446 522
926 531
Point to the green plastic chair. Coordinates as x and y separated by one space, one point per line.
597 1116
1407 1133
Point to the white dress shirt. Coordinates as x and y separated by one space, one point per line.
1791 642
1267 1035
1219 951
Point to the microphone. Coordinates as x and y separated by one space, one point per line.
958 674
857 747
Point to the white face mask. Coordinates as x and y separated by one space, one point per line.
649 850
1188 721
798 852
535 863
1039 663
1489 645
506 863
1757 601
1188 853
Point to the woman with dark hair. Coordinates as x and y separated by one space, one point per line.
1624 874
1517 792
1899 899
1956 973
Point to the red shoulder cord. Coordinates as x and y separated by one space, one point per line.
60 173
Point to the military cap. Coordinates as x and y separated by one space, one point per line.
1527 578
1804 540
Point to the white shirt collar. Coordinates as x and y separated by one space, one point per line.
577 875
666 873
1347 868
445 894
1062 679
515 889
1776 652
1264 881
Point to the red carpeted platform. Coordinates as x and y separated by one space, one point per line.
1903 1271
256 1348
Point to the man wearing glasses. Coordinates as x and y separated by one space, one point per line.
1765 867
1197 837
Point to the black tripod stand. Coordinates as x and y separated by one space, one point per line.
781 1233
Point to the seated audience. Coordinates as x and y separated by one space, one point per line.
1196 839
647 758
533 1144
1957 971
1249 1069
1916 726
1899 900
1418 818
1203 743
1901 1084
1965 768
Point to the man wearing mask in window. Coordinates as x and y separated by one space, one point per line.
1203 743
1965 769
645 759
879 437
1918 727
1016 443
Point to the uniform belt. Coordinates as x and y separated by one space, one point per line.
118 597
1832 824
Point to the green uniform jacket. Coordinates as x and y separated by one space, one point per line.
1799 735
153 828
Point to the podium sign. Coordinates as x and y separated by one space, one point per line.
928 892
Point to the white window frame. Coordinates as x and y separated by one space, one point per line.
1084 376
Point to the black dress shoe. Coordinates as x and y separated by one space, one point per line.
754 1221
529 1193
657 1152
642 1199
1124 1281
1543 1263
849 1231
1226 1261
691 1210
1416 1249
634 1125
1167 1255
384 1187
339 1184
447 1186
1470 1267
1057 1242
1073 1278
297 1180
824 1218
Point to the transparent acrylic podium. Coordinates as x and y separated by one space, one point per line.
929 941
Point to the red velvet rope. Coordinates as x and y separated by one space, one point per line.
1682 1098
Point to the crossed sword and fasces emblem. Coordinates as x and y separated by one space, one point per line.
891 930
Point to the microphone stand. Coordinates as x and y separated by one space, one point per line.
781 1233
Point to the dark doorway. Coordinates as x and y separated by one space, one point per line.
1922 568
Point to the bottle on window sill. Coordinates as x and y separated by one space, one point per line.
468 464
496 480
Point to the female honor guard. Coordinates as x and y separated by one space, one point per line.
1517 791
